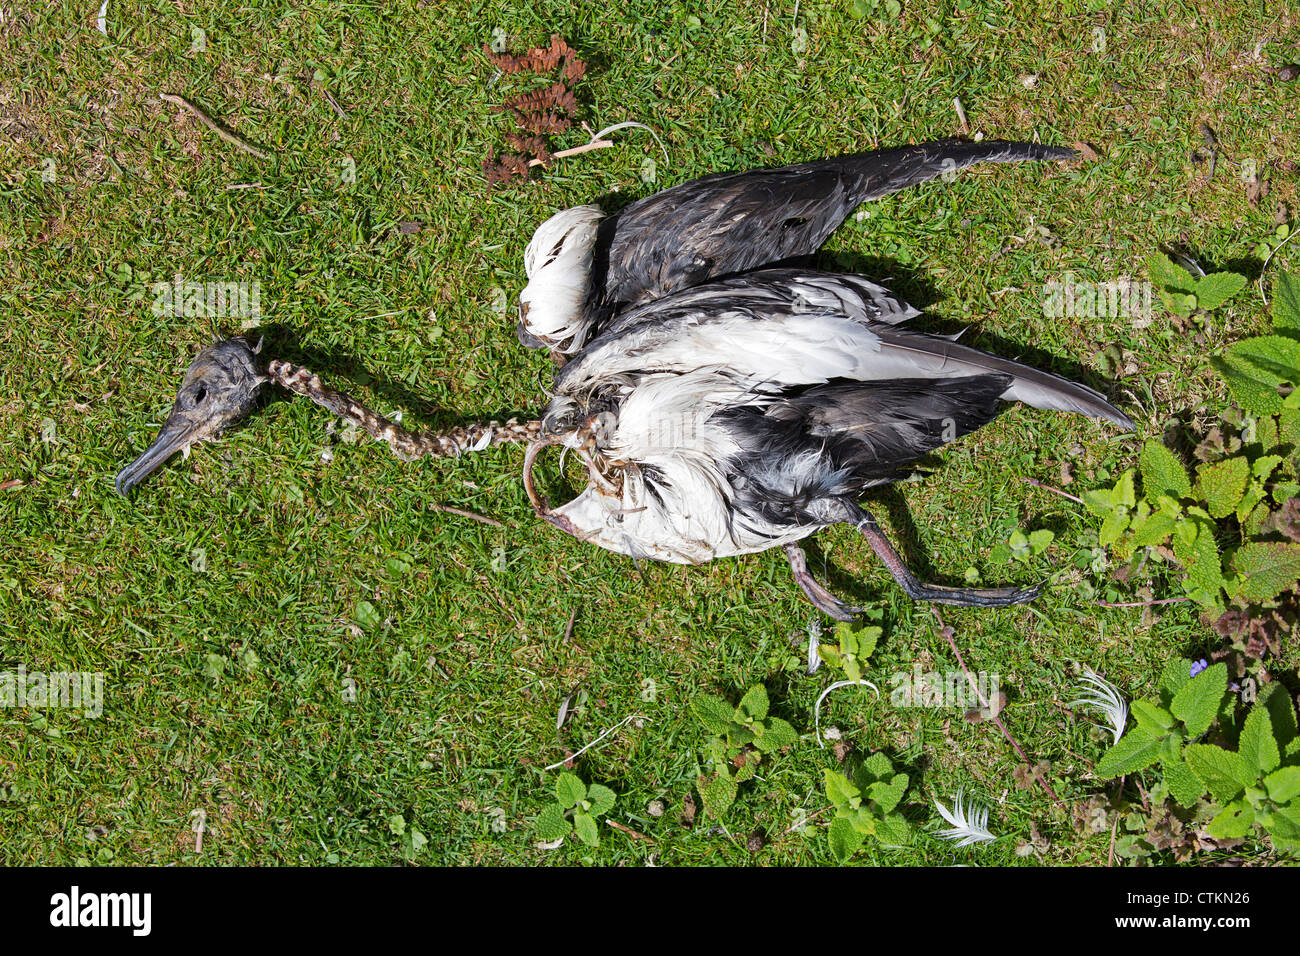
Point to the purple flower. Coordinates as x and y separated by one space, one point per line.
1199 666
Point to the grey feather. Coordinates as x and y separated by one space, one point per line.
934 356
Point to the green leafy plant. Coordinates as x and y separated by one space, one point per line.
1022 547
878 8
855 643
1255 784
1265 248
1184 293
576 810
411 839
1261 371
1231 526
742 736
865 807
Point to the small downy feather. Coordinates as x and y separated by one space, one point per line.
1100 695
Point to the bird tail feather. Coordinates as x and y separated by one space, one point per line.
943 358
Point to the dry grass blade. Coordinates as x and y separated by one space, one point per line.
462 513
225 134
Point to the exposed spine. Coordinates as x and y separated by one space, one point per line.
406 445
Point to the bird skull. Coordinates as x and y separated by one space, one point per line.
220 387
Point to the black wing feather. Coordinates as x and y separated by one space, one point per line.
734 222
834 441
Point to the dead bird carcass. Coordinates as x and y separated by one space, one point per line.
723 400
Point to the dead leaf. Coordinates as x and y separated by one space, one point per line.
687 819
1086 152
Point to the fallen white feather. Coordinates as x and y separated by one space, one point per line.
969 822
631 125
1103 697
814 642
817 708
575 756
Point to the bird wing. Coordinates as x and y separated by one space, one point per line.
762 324
938 357
734 222
792 289
780 328
835 440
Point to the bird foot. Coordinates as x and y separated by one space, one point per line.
822 599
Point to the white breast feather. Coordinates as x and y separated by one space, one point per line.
665 425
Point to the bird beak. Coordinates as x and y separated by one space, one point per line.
177 435
220 387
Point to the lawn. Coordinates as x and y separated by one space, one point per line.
306 656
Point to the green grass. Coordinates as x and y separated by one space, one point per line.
226 687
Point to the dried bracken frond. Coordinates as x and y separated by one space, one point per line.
537 113
575 70
534 146
504 168
536 60
544 124
556 97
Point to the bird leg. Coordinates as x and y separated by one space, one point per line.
821 598
404 444
920 591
